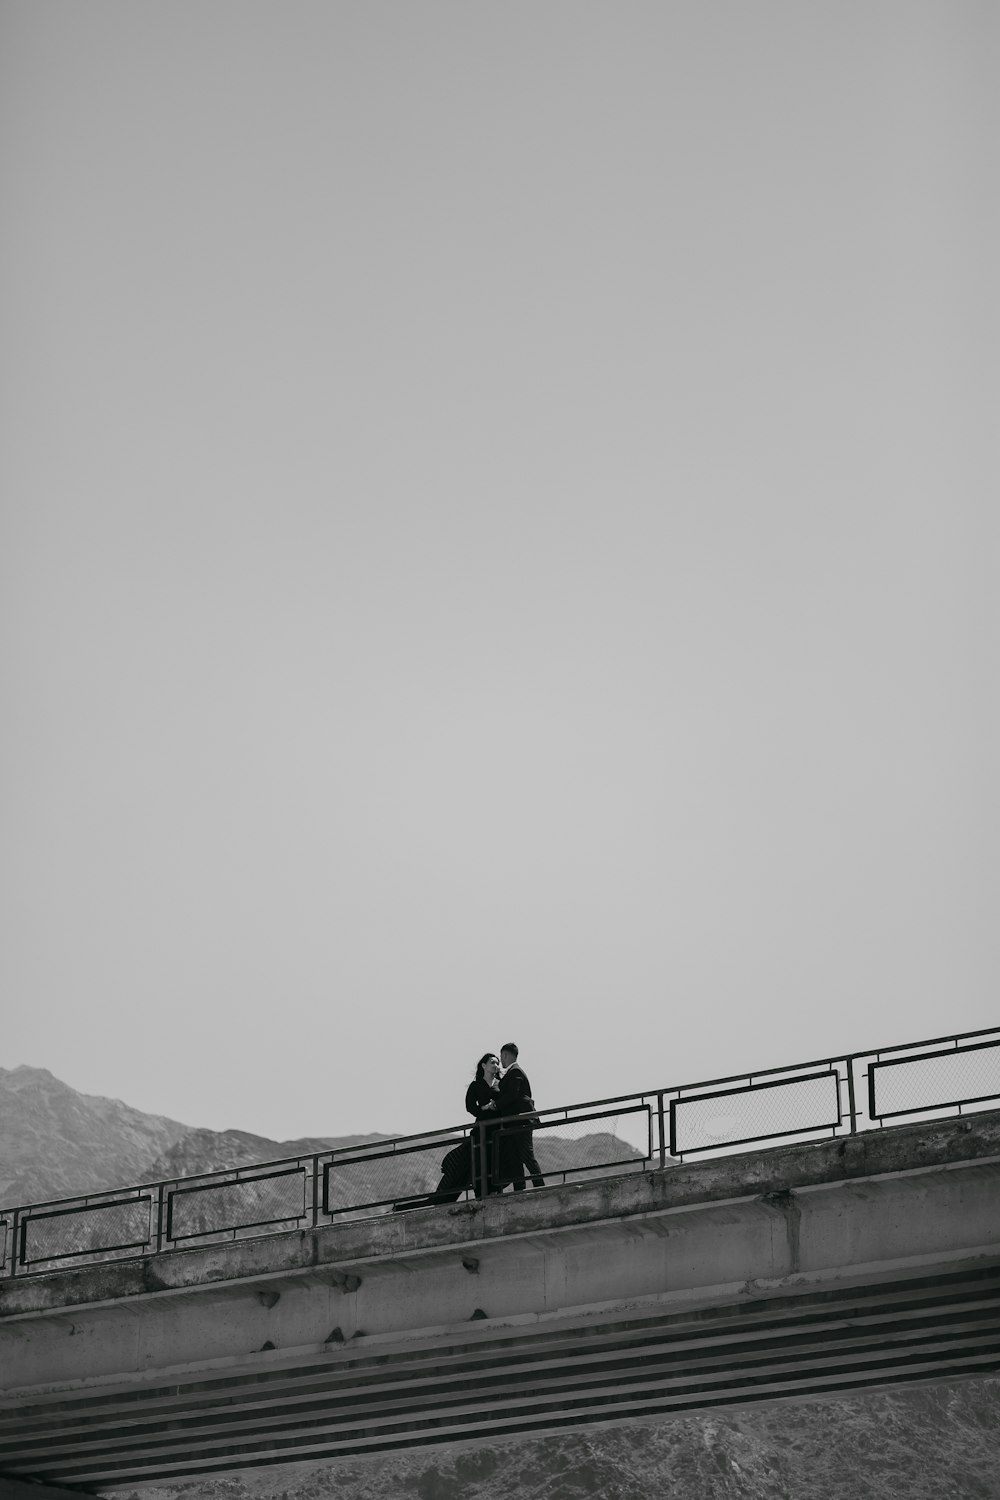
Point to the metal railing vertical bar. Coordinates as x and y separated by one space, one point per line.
22 1241
852 1102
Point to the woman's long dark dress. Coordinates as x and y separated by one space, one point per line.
478 1099
461 1167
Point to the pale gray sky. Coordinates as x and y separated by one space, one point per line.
499 540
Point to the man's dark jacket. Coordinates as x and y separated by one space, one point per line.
515 1096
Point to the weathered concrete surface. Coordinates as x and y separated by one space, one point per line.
804 1269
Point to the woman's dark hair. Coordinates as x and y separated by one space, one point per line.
486 1057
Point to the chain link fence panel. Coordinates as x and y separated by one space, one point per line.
937 1081
796 1106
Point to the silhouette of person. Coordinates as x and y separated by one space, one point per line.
482 1101
463 1164
515 1098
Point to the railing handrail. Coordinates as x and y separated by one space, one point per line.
439 1135
817 1062
386 1144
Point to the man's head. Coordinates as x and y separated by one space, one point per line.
508 1054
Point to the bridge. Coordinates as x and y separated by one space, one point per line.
808 1232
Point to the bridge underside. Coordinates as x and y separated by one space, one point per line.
809 1272
348 1402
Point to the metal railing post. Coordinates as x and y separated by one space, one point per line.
20 1258
15 1241
662 1129
481 1150
852 1105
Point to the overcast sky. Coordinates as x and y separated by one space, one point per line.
498 541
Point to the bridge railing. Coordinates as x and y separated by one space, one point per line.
825 1097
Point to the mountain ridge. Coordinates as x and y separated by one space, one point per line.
56 1142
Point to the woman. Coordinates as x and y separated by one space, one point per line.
481 1095
462 1165
481 1103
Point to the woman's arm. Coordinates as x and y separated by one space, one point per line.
480 1100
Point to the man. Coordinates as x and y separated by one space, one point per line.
515 1098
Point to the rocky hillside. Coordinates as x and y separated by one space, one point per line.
916 1443
221 1150
55 1142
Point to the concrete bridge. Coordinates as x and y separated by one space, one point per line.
803 1271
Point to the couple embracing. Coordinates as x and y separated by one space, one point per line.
501 1089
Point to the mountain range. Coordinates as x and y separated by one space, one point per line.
57 1143
910 1443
